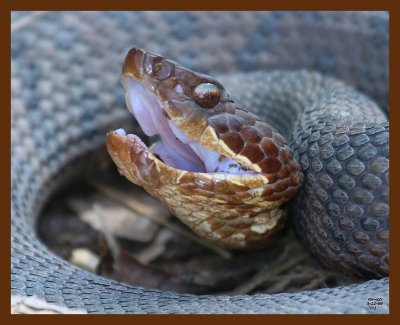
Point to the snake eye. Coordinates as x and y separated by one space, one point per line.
207 95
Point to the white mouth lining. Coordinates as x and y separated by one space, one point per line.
175 148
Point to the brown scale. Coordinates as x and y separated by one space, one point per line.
236 211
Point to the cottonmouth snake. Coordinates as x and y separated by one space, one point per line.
66 97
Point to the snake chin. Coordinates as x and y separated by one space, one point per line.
174 148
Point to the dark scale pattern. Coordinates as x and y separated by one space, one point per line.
349 188
66 95
344 203
261 144
354 205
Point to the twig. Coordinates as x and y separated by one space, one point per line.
280 286
148 212
314 283
111 242
280 283
267 272
27 20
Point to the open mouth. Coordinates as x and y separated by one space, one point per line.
217 167
174 147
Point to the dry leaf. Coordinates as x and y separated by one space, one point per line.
119 220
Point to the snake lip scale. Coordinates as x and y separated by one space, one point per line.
316 77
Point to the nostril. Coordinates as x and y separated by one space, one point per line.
157 67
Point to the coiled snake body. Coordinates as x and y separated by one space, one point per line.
66 97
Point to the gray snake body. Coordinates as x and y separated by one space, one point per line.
65 97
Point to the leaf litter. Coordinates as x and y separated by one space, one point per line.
115 229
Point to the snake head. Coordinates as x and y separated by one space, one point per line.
219 168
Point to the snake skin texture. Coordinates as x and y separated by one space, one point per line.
344 158
66 96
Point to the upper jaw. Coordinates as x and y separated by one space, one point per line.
176 148
157 94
